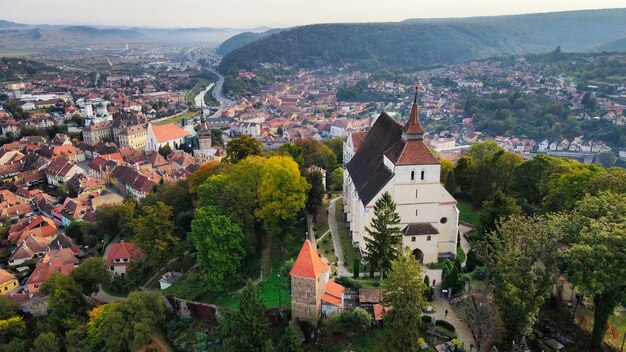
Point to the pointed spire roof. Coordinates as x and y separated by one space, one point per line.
308 264
413 129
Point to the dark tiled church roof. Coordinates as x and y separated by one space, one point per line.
366 166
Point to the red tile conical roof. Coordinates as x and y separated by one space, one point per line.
413 125
308 264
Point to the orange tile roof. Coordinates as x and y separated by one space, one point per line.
5 276
168 132
379 312
334 289
308 264
328 298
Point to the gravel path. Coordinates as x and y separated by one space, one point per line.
332 224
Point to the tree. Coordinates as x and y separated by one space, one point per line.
464 173
336 145
248 332
315 194
594 259
450 184
293 150
165 150
126 325
243 147
66 304
289 341
316 153
216 137
520 256
403 292
7 308
606 159
385 236
281 193
498 207
220 246
90 274
153 232
337 179
201 175
46 341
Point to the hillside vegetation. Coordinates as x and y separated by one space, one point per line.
416 44
242 39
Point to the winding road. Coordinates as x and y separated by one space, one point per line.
218 94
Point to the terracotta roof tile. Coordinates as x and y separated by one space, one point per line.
168 132
308 264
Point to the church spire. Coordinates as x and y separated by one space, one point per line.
413 129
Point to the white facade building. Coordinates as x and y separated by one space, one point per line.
393 158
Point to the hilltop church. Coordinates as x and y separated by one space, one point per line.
393 158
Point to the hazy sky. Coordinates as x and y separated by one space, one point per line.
279 13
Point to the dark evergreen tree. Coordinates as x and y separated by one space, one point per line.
385 234
249 331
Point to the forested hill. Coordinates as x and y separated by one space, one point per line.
244 38
416 44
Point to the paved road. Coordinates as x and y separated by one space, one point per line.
218 94
332 224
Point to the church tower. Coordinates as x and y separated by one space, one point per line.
309 276
204 137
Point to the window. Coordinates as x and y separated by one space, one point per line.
422 175
412 175
443 220
416 193
415 212
413 239
428 238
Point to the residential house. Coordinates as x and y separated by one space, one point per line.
60 171
8 282
38 225
120 255
61 261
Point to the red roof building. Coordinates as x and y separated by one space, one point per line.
120 255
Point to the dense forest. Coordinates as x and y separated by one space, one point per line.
419 44
539 117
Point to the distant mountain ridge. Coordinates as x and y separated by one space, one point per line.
244 38
418 43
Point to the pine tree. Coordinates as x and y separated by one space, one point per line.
385 235
249 330
289 342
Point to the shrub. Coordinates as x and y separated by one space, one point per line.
427 280
427 319
445 324
356 266
479 273
429 294
344 281
357 320
472 261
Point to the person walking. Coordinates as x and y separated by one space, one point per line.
446 312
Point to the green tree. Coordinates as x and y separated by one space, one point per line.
243 147
336 145
385 235
46 341
220 246
153 232
450 184
594 259
403 290
293 150
249 326
315 195
126 325
337 179
289 341
90 274
165 150
316 153
498 207
7 308
520 254
606 159
464 173
66 303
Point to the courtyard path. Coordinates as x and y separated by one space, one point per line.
332 225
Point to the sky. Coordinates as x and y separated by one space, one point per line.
271 13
